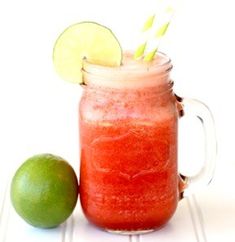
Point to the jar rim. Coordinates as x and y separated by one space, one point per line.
128 75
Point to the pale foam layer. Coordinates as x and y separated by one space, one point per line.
131 74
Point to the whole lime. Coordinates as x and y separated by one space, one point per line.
44 190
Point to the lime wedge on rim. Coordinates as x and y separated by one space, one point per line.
88 40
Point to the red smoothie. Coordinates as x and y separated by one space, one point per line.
128 137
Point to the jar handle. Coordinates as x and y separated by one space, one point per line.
190 184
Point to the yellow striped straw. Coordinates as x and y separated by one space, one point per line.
156 26
141 48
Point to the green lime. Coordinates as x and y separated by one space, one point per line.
44 190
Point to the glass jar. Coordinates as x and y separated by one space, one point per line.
129 178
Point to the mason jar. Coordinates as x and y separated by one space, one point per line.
128 118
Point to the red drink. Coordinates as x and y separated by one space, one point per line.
128 132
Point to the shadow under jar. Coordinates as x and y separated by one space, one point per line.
128 117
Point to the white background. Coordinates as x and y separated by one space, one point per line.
38 110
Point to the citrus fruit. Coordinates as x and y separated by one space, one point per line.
44 190
85 40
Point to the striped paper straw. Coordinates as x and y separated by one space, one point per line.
156 27
141 48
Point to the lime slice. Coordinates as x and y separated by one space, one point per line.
88 40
